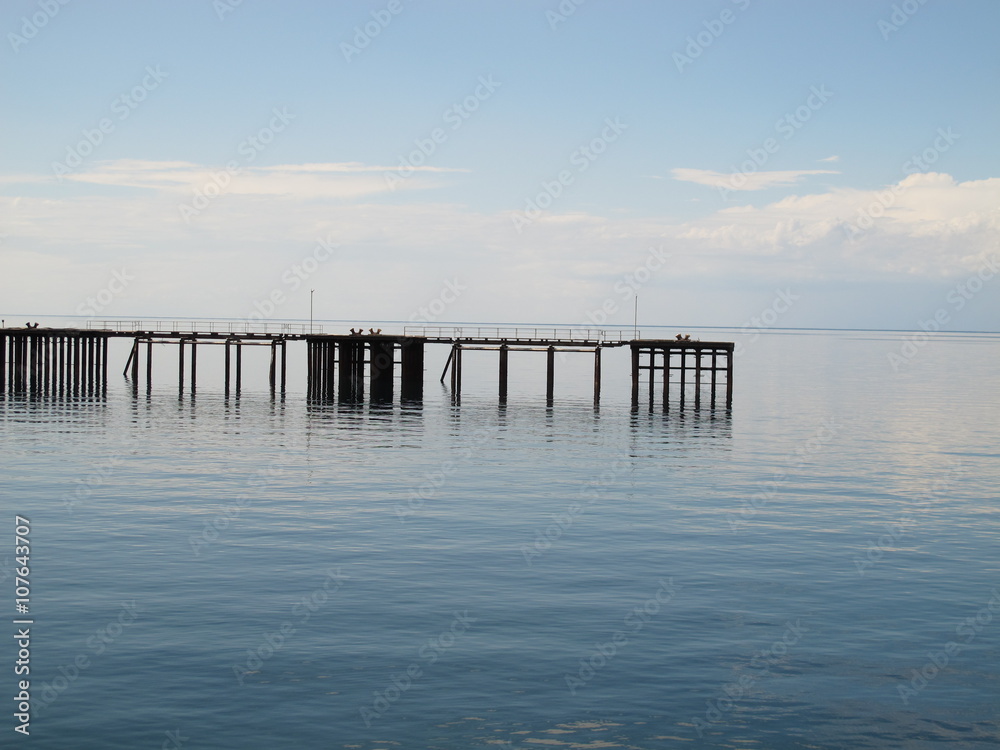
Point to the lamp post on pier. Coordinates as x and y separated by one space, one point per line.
311 291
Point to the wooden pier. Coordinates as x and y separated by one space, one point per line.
51 362
355 367
684 366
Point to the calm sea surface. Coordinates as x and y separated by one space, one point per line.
818 569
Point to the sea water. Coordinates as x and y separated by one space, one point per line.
819 567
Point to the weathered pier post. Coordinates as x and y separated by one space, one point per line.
456 371
345 370
228 357
359 370
635 374
597 375
381 363
104 364
411 368
46 344
714 366
92 364
729 377
239 366
504 355
135 364
550 374
194 365
180 365
284 363
272 370
683 385
329 367
316 369
697 379
61 364
351 370
652 375
667 357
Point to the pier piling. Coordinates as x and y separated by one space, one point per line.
504 355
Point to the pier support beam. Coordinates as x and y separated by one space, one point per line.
550 374
504 355
358 375
456 370
729 380
411 354
194 365
227 367
667 356
104 365
697 379
683 386
272 370
597 376
135 365
180 365
239 367
381 369
635 375
351 370
284 365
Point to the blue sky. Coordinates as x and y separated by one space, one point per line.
707 155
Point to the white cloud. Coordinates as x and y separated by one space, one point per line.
317 180
831 158
394 255
744 181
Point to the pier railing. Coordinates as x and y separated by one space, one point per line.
195 326
450 333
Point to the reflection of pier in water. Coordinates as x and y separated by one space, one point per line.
343 367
